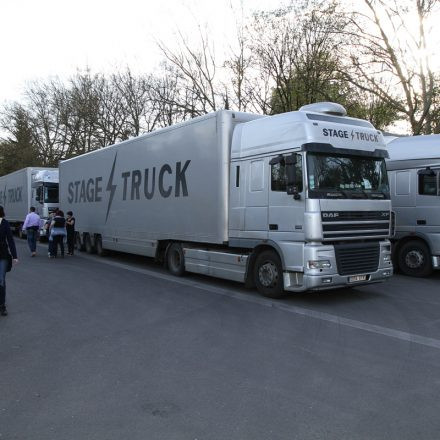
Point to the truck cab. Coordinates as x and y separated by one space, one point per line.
45 193
309 190
414 172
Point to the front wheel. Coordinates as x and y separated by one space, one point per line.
176 259
414 259
268 275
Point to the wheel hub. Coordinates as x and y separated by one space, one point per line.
414 259
268 274
175 259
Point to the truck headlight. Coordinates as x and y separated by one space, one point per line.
319 264
387 258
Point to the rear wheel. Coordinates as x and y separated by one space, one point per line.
176 259
88 244
78 244
414 259
99 249
268 274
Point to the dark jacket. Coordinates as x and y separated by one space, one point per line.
6 241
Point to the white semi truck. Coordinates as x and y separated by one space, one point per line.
291 202
414 170
31 186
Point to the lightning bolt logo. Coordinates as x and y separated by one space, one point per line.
111 187
352 134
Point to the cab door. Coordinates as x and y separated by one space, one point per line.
428 202
286 213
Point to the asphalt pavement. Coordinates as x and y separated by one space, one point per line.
116 348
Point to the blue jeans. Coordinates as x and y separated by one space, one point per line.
32 239
3 267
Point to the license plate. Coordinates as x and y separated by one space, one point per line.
356 278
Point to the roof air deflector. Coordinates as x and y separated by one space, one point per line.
328 108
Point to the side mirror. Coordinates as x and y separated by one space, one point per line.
426 172
292 188
277 160
39 194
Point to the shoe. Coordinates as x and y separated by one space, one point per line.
3 311
33 254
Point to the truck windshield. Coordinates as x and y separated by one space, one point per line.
51 193
337 176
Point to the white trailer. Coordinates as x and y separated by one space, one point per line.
291 202
414 169
31 186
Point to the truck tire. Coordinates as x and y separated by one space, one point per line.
176 260
99 249
78 244
414 259
88 244
268 275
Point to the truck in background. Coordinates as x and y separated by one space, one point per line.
32 186
292 202
414 169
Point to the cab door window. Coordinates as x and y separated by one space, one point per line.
428 185
278 180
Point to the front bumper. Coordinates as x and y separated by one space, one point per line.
328 278
295 283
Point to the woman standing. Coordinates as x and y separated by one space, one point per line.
57 234
7 249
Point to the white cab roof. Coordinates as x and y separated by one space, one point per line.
414 147
291 130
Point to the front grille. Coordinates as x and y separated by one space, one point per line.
354 259
337 216
337 225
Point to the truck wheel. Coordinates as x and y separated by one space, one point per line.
78 244
414 259
88 244
99 249
268 275
176 260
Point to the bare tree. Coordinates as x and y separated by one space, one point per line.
197 70
389 57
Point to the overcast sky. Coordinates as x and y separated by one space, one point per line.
42 38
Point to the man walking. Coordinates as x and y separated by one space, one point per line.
31 226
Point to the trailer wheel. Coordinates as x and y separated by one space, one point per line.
88 244
268 274
78 244
414 259
176 259
99 249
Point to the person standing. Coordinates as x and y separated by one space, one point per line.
47 226
57 234
70 228
31 226
7 250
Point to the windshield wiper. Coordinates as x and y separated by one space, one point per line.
358 192
336 193
379 194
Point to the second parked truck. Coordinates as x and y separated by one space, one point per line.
292 202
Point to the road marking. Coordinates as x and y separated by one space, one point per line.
323 316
